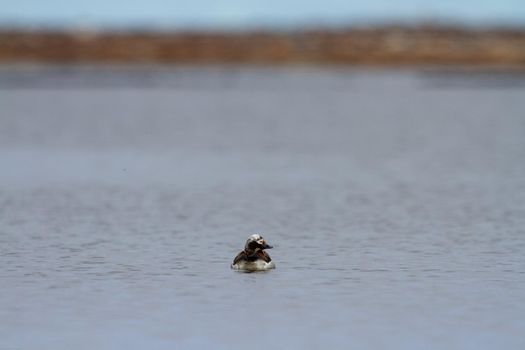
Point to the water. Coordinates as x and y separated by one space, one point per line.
395 201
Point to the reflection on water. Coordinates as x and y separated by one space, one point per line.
396 210
473 79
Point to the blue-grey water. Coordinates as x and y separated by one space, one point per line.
395 201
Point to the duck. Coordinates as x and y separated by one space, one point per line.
253 257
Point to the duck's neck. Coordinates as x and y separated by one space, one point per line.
250 252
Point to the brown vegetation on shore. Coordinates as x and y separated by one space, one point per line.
381 46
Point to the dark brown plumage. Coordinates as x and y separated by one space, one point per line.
252 256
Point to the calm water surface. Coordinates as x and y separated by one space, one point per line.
395 201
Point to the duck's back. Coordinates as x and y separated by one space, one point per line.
259 261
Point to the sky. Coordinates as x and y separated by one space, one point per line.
250 13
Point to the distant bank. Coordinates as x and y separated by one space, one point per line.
391 45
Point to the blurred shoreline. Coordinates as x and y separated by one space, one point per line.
380 46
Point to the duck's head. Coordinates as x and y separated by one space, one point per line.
255 243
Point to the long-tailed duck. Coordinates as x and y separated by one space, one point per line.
253 257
